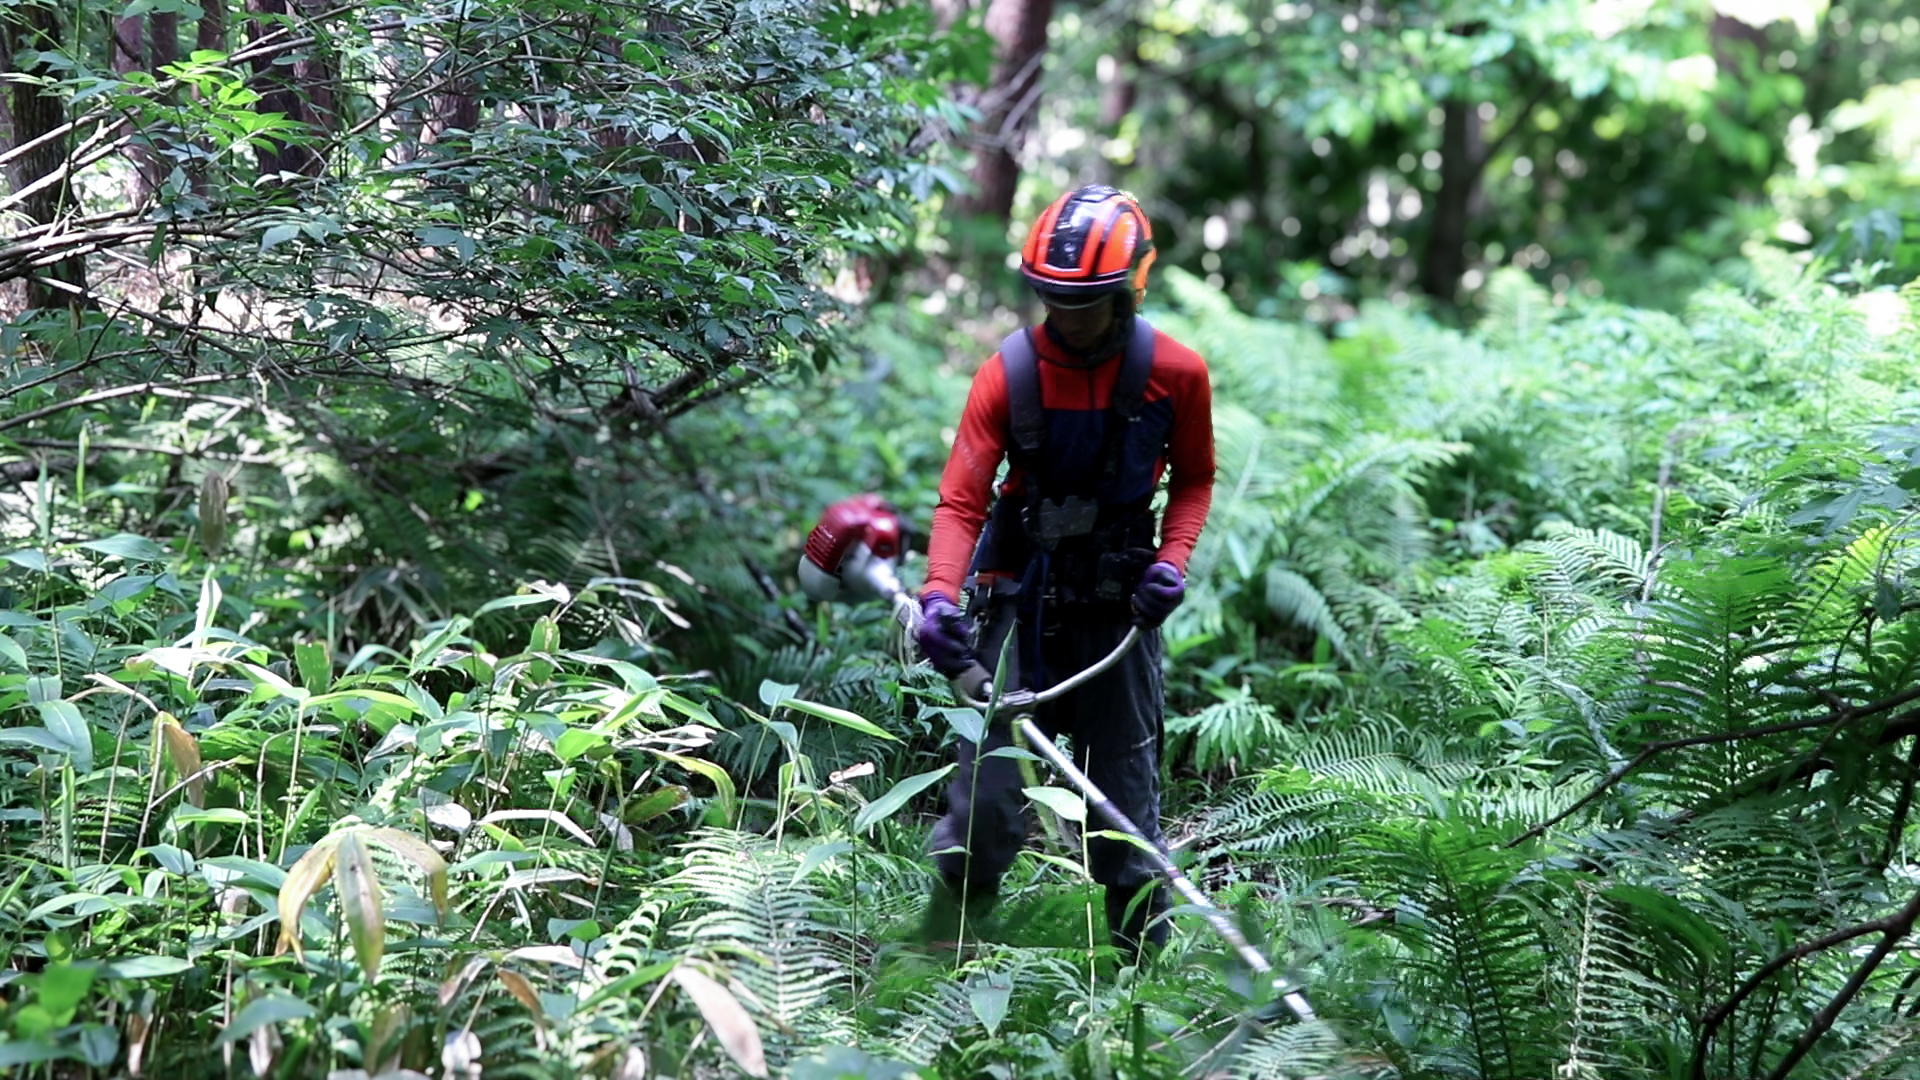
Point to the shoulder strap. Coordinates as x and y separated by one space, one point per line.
1130 389
1129 393
1025 417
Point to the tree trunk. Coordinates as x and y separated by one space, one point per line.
948 12
1019 32
129 54
1462 157
1735 40
34 26
303 95
210 34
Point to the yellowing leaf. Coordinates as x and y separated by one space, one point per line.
213 513
729 1021
522 991
358 882
421 854
303 880
458 980
184 751
722 783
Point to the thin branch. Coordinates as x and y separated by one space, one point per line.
1710 1024
147 448
1651 749
1897 827
168 389
264 46
1893 929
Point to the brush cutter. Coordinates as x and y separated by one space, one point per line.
1020 705
851 555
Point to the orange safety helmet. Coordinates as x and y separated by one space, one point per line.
1091 243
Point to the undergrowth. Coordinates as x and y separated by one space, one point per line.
1543 705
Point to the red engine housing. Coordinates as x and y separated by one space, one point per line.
867 519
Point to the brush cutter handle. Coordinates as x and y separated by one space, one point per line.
1026 700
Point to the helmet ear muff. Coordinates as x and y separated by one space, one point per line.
1140 267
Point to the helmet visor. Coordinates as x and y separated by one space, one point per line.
1073 301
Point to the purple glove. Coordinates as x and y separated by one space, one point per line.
1161 589
943 635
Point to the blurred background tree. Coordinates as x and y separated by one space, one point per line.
1305 155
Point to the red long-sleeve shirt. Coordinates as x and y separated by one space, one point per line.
1178 378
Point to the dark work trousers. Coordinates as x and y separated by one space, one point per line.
1114 724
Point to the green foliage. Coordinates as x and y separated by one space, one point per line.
1542 702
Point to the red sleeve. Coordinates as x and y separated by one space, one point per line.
1189 461
966 487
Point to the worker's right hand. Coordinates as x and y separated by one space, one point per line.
943 635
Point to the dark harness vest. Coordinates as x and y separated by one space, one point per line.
1079 535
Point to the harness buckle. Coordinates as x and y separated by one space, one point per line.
1050 521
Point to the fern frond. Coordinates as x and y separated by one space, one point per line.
749 905
1288 1053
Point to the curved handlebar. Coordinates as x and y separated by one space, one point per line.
1064 686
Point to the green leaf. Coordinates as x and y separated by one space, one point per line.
127 546
517 600
574 742
37 737
989 999
11 650
99 1044
277 235
1886 600
315 664
967 723
889 804
63 986
64 720
217 815
441 236
724 789
655 803
1060 801
1664 912
147 967
271 1008
30 558
773 693
817 856
839 716
847 1063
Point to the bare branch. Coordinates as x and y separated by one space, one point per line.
1710 1025
169 388
1837 716
1892 929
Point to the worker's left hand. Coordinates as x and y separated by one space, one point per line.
1161 589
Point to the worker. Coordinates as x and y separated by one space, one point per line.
1092 409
